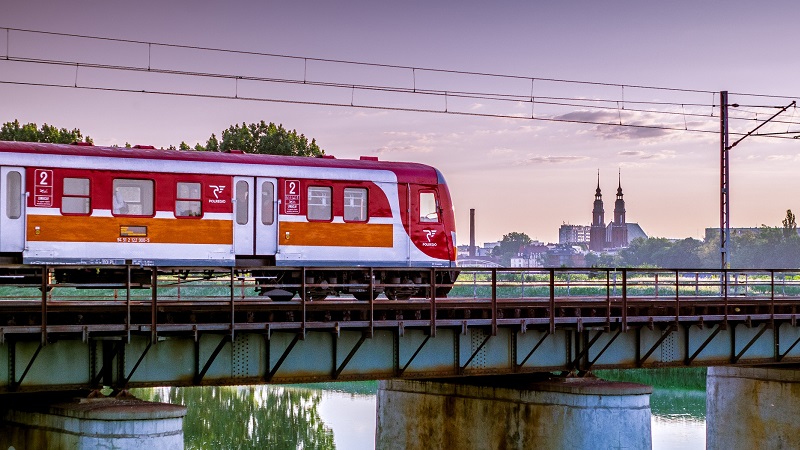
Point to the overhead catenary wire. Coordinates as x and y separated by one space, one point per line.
388 108
616 105
572 102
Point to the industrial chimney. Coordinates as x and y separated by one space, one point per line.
472 232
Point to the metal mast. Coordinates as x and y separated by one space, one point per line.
725 175
724 181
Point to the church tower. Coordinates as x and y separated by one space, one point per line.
597 234
619 230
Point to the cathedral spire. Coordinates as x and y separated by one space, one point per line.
619 229
597 194
597 234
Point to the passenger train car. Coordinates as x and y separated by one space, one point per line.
86 205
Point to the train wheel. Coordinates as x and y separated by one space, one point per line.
278 295
400 293
314 295
364 296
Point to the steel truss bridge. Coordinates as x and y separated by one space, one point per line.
158 326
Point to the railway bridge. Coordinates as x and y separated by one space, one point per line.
181 326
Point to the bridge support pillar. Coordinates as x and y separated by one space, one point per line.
30 421
513 413
752 408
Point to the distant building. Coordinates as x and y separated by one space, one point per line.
531 255
573 234
481 252
601 236
566 256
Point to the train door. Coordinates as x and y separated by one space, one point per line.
243 215
427 229
266 222
12 206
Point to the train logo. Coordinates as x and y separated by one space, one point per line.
429 234
218 189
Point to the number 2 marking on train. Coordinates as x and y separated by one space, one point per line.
291 198
43 176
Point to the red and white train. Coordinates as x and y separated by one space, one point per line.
87 205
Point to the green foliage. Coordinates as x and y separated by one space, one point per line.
263 138
603 260
762 248
13 131
248 417
660 252
693 378
510 245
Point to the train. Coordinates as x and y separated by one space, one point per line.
83 205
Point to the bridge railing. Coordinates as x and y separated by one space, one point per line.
125 299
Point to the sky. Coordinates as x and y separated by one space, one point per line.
518 174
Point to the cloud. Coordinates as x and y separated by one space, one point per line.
629 132
402 149
590 116
501 151
635 125
554 159
782 157
638 154
475 106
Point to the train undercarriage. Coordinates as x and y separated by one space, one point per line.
278 284
320 283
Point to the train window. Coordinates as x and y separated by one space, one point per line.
267 202
428 210
75 198
187 200
132 197
14 195
242 204
355 205
319 203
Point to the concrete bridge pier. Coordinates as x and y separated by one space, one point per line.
59 421
513 413
749 407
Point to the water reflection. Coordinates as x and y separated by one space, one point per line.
253 417
331 415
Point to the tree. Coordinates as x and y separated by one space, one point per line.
510 245
13 131
789 224
263 138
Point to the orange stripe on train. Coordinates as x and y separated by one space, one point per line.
336 234
120 229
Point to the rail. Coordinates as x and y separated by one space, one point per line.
162 300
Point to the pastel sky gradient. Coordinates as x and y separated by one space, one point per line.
520 175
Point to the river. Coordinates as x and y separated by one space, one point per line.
342 415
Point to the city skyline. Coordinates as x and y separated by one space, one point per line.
519 174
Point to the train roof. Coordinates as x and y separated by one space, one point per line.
406 172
